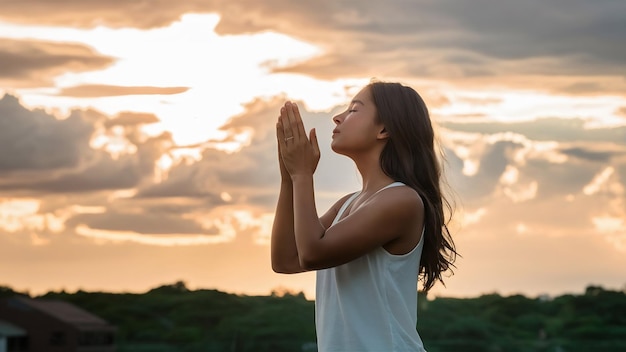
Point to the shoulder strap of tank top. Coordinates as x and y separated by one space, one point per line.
345 205
394 184
356 194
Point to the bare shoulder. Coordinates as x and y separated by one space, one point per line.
332 212
403 199
389 218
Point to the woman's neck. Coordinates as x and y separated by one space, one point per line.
372 174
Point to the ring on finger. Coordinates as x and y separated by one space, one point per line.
288 138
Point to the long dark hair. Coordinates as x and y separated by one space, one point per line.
410 157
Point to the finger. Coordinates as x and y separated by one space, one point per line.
314 142
293 122
299 122
286 123
280 136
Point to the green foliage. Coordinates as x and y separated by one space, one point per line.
6 291
594 321
174 318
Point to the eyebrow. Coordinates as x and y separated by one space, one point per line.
357 101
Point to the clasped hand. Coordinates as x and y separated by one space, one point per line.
298 155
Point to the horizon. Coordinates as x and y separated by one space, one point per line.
138 139
280 292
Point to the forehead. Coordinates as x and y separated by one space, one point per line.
364 96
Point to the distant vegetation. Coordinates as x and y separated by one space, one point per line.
173 318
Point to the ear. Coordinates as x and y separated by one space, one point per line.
382 134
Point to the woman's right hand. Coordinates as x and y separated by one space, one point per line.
299 153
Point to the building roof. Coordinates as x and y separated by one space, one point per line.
66 312
7 329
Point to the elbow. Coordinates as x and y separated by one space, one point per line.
309 262
308 266
286 266
279 269
313 255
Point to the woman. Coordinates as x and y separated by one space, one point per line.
371 246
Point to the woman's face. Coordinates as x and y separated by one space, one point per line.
357 127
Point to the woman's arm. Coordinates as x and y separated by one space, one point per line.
388 216
284 253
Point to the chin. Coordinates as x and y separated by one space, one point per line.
337 150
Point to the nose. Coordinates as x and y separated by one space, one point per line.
338 118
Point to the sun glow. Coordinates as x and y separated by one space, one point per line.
512 106
217 74
18 214
24 215
104 236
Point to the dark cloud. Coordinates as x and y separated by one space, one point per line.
517 30
492 161
101 90
35 140
445 39
557 180
105 173
44 154
29 63
593 153
184 180
149 222
621 171
452 40
561 170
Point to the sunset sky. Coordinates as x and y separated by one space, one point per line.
137 142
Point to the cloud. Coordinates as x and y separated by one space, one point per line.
493 161
496 167
104 173
551 188
526 191
46 154
35 140
75 13
131 118
445 39
100 90
594 153
147 222
250 175
30 63
442 39
184 180
546 129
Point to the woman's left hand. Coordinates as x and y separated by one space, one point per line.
300 154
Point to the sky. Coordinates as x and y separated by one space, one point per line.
137 143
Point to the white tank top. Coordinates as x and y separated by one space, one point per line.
370 303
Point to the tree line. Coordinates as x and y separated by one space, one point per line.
173 318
